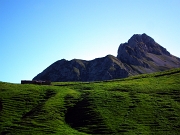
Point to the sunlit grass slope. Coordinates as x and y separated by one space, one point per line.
143 104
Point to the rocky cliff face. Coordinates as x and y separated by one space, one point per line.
144 55
141 54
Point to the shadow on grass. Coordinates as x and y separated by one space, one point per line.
35 110
84 117
1 105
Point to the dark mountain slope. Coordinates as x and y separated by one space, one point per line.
141 54
105 68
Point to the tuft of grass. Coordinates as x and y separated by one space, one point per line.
143 104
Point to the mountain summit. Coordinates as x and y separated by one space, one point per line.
141 54
144 55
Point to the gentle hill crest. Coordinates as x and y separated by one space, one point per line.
141 54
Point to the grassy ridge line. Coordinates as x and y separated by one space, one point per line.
147 105
155 74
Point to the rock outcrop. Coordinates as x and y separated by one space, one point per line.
141 54
144 55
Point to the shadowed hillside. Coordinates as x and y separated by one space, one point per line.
143 104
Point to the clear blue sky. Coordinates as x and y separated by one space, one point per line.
36 33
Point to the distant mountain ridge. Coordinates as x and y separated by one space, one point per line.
141 54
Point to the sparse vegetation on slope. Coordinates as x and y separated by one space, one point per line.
143 104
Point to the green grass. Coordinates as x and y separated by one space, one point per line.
143 104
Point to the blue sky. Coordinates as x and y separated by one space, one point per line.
36 33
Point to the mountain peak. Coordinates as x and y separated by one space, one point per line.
141 48
141 44
141 54
137 39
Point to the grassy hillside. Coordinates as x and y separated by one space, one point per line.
143 104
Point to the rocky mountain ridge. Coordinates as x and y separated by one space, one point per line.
141 54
